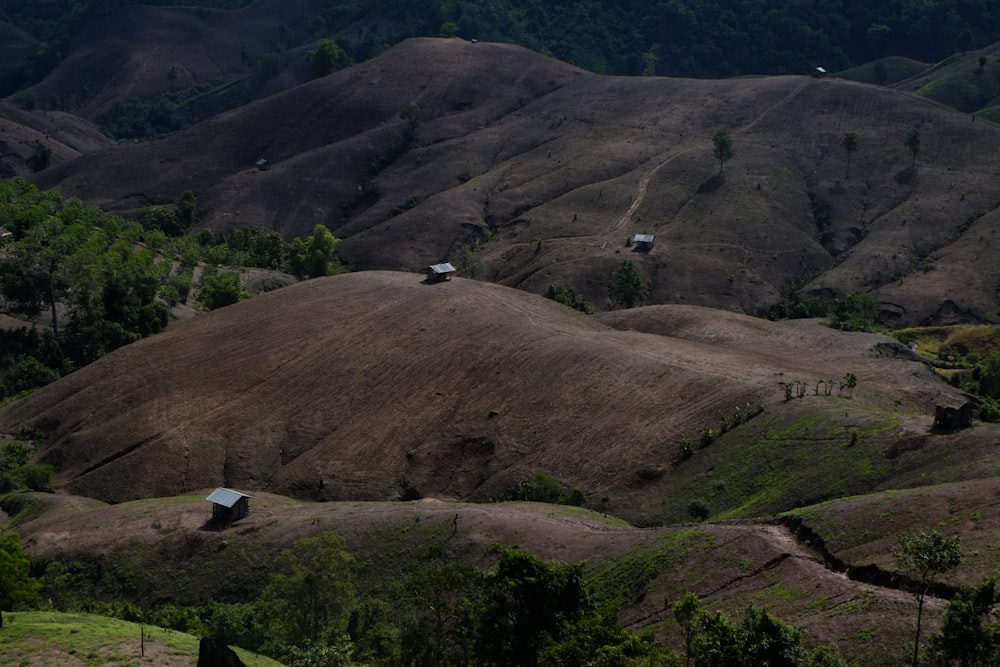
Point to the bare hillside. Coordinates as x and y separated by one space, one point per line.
377 386
128 52
551 170
66 135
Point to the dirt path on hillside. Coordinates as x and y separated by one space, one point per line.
640 195
643 187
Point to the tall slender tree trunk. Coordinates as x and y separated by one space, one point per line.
920 616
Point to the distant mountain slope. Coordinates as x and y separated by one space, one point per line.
375 386
551 170
66 135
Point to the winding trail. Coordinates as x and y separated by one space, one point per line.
644 180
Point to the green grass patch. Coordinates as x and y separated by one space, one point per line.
625 579
805 452
96 639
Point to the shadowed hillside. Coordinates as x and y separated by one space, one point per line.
376 386
65 135
551 169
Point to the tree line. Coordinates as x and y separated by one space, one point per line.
316 607
701 38
95 281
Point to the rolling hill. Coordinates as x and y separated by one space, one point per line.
377 386
371 388
549 170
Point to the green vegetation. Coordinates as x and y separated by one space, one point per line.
97 639
17 586
567 297
630 289
760 639
722 148
968 356
693 38
41 158
924 555
220 288
543 488
100 282
854 312
316 604
970 633
325 57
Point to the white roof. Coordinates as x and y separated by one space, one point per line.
442 268
226 497
642 238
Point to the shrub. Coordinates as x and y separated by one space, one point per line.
221 289
35 478
698 510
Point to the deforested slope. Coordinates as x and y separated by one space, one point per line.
442 146
376 385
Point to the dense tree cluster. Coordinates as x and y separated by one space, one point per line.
676 37
94 281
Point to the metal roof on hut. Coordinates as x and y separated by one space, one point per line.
228 505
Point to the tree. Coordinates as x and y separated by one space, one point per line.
723 147
41 158
649 60
219 289
315 257
172 74
187 208
325 57
923 555
850 144
528 604
687 612
17 586
311 590
967 635
448 29
441 588
987 372
630 288
913 145
850 381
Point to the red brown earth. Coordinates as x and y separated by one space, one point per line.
377 386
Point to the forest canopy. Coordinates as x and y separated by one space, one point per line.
699 38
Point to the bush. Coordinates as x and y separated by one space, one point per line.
31 374
35 478
221 289
543 488
699 510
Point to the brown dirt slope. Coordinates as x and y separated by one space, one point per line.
127 52
375 386
551 169
66 135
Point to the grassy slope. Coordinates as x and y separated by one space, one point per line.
42 638
151 543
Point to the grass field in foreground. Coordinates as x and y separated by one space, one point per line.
44 638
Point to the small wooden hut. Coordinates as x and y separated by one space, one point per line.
440 272
228 505
643 242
